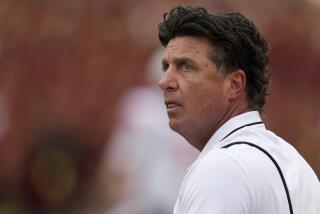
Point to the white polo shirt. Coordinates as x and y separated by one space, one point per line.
242 179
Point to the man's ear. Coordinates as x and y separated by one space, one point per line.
237 84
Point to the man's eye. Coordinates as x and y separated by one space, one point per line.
186 67
165 67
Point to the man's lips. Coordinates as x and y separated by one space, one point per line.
172 104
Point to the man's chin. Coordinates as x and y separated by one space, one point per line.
174 124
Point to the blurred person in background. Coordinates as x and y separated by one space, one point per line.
215 85
151 158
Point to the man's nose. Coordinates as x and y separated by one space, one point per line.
168 81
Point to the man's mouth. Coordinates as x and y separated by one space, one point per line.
171 104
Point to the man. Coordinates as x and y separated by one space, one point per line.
215 84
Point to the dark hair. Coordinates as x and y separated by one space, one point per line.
236 40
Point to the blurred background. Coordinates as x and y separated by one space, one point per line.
83 127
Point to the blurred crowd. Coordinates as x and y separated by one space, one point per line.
83 127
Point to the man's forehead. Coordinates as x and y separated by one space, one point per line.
185 46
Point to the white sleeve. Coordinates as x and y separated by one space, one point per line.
216 185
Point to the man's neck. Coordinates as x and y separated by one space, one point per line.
200 140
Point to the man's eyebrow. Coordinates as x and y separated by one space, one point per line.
182 60
178 62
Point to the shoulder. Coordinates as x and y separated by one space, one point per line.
216 182
241 160
229 181
239 164
217 163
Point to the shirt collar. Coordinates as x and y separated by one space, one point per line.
231 125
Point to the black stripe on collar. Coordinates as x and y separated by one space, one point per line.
250 124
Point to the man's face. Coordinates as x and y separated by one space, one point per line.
194 91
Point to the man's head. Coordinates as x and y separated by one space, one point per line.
215 68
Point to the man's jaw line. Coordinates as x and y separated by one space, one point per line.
232 111
198 138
